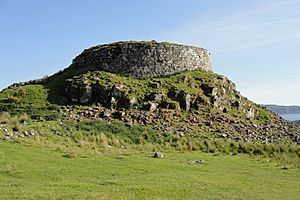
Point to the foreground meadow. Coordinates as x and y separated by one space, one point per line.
31 172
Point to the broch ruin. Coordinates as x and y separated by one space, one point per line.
145 59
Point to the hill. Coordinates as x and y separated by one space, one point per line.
90 131
165 87
284 110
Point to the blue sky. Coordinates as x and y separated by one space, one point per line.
254 43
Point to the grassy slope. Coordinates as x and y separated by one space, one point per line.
28 172
30 99
42 99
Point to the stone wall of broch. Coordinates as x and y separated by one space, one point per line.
145 59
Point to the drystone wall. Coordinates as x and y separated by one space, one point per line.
144 59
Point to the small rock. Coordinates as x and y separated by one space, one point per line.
70 155
107 113
153 106
185 79
158 97
187 102
31 132
117 91
119 114
6 138
129 122
197 162
158 155
251 113
155 85
113 102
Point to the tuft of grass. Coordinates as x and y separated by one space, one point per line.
10 168
4 117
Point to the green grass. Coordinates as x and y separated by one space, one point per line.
140 85
44 101
28 172
94 159
98 133
30 99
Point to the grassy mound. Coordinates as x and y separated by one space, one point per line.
203 88
197 103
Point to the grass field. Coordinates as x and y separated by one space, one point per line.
29 172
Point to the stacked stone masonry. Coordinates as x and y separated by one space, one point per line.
144 59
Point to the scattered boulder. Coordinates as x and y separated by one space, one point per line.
113 103
197 162
209 90
186 79
130 101
117 91
70 155
107 113
158 155
152 106
251 113
157 97
85 98
185 102
155 85
31 132
237 105
119 114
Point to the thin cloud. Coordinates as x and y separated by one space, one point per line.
261 24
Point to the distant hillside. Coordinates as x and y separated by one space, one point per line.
284 110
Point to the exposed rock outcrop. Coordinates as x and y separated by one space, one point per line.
203 90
